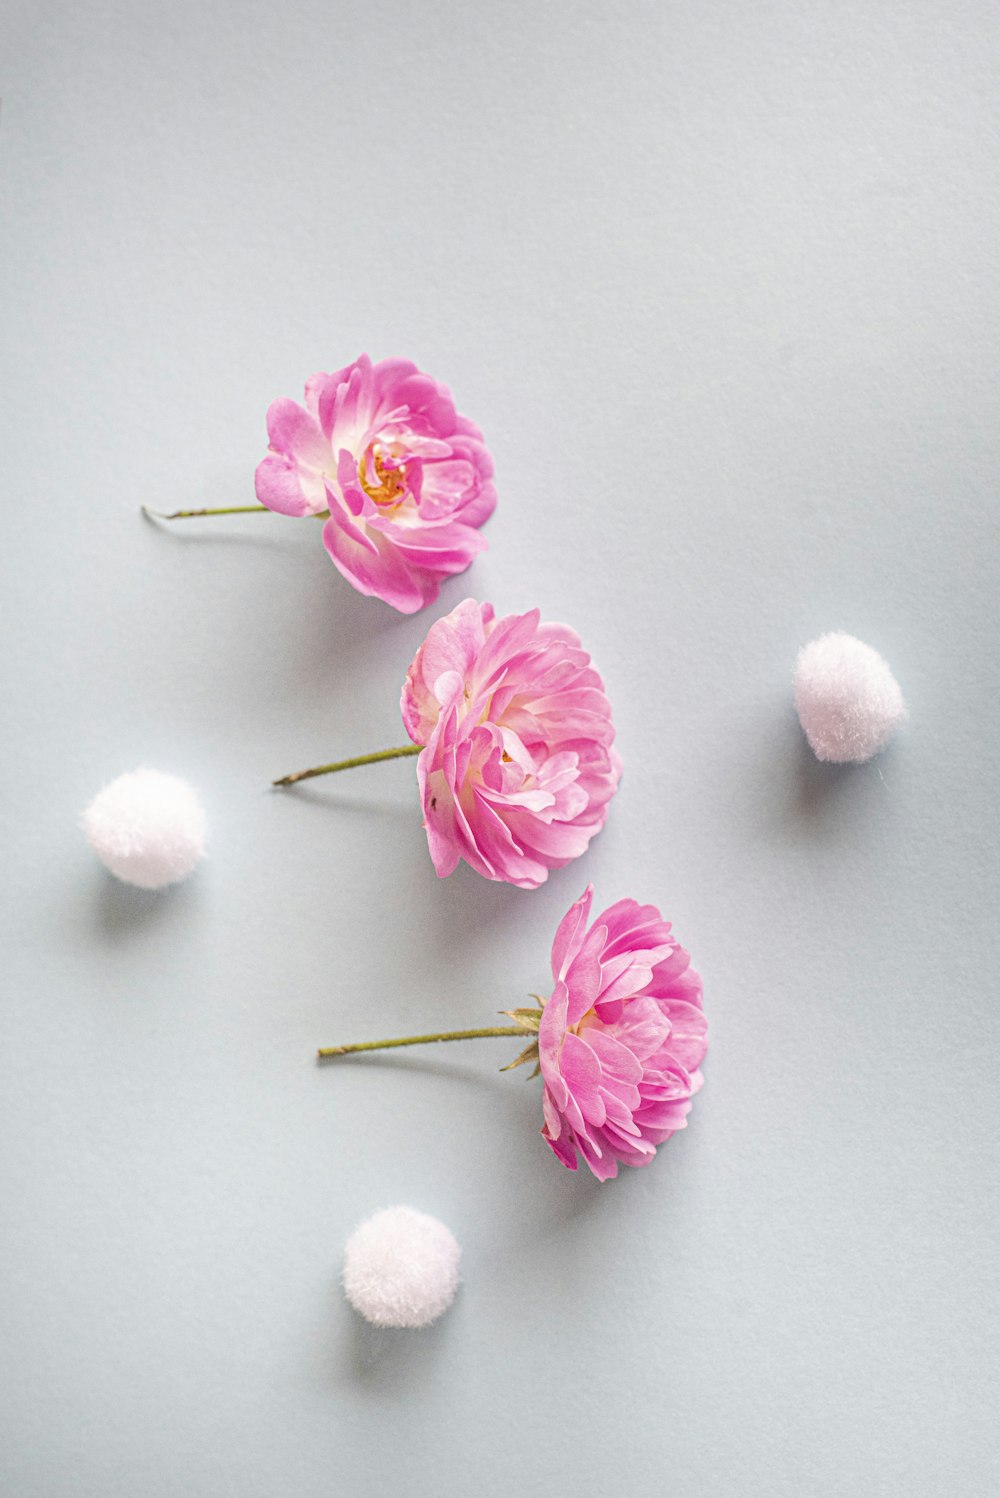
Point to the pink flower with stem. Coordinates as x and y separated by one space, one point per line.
403 481
619 1043
515 740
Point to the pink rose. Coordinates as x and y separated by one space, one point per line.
518 765
621 1039
407 481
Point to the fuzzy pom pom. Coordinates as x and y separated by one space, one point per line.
147 828
848 701
401 1268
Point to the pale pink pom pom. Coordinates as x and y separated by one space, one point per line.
401 1268
622 1038
406 479
848 701
148 828
518 765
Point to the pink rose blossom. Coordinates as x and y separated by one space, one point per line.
407 481
621 1039
518 765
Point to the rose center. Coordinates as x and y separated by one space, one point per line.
383 484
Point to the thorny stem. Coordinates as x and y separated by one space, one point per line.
384 1045
348 764
225 510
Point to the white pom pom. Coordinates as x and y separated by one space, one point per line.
847 699
147 828
401 1268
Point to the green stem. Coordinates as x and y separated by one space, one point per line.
348 764
225 510
384 1045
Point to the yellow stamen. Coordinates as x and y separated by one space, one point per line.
391 485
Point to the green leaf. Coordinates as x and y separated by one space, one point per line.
530 1053
528 1019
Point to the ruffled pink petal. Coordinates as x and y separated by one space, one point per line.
581 1072
373 568
601 1162
643 1028
346 408
569 933
510 862
399 384
287 489
551 1029
533 786
620 1064
688 1034
584 976
294 433
388 419
443 550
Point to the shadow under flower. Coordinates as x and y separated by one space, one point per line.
427 1065
216 530
346 803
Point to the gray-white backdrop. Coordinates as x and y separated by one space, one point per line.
719 282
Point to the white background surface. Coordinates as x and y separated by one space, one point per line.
719 283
